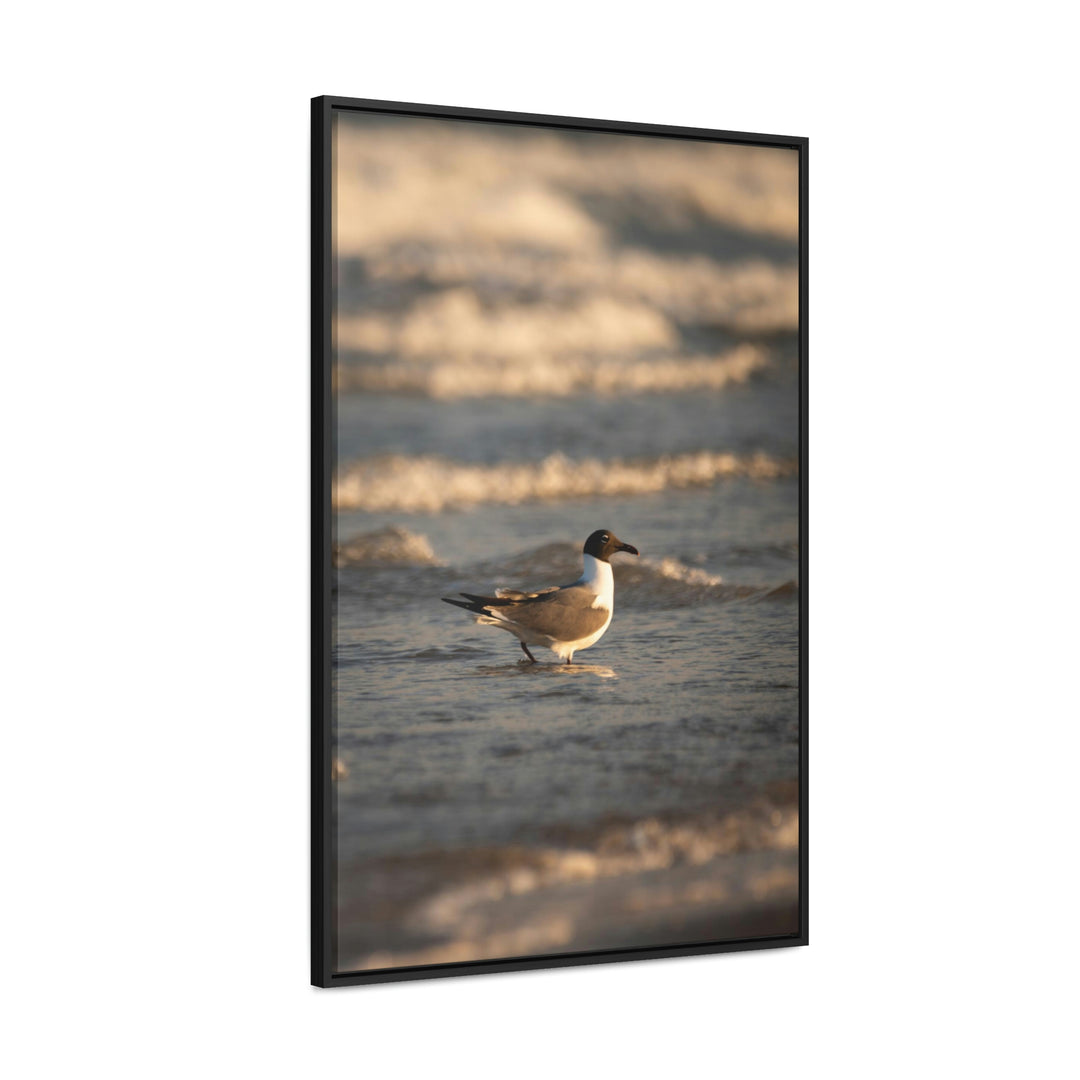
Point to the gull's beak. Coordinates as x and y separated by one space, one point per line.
628 548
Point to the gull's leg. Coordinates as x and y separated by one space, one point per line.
570 658
525 648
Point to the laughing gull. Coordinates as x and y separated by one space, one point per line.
565 618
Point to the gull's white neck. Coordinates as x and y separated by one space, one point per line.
597 576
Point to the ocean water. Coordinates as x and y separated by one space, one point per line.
570 333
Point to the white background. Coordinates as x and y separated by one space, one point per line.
154 449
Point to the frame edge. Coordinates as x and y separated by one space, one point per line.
321 280
322 973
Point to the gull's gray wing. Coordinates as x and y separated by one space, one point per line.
564 614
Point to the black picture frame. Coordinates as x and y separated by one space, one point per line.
323 109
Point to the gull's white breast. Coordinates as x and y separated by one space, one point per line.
597 577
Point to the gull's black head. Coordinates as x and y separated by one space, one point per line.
604 543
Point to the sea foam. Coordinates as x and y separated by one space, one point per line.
454 323
552 376
429 484
752 295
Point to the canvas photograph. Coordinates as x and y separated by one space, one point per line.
564 591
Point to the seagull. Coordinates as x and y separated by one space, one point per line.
565 618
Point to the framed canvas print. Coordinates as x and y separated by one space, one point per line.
558 541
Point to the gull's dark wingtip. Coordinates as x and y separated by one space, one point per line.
456 603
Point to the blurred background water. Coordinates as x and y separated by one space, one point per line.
538 334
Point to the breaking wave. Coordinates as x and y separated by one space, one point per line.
672 570
433 181
391 546
515 900
429 484
545 375
667 582
642 846
454 323
753 296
